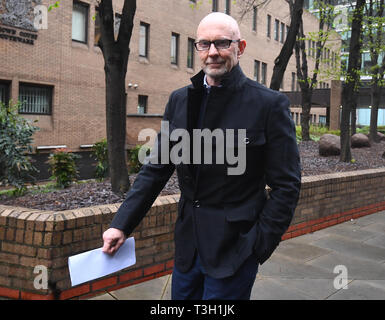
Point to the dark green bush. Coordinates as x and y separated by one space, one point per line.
133 158
63 167
100 152
15 144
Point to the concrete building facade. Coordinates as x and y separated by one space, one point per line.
58 72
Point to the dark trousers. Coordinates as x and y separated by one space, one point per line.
197 285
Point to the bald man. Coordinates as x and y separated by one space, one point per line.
226 225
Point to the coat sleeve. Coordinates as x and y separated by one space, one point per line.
149 182
283 176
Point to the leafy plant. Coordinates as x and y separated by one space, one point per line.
133 159
100 152
15 144
63 167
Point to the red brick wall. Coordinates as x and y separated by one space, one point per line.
31 237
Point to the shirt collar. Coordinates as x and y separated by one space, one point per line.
206 85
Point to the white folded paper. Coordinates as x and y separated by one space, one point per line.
95 264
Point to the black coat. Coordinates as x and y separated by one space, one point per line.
225 218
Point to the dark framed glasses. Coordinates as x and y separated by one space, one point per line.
204 45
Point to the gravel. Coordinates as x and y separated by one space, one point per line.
98 193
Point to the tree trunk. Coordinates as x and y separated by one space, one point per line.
349 90
116 53
306 107
376 94
280 63
353 115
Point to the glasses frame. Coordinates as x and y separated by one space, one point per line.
213 42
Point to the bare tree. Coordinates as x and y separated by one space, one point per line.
349 90
116 53
280 63
374 36
307 83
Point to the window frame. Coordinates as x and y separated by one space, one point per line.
87 7
263 73
214 7
7 92
176 36
255 18
190 53
146 39
257 70
35 85
268 26
282 33
276 29
145 107
227 7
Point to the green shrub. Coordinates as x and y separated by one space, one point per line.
133 158
100 152
63 167
15 144
315 132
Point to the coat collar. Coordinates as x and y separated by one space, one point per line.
231 80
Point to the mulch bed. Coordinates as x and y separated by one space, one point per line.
98 193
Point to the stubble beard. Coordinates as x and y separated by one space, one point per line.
214 72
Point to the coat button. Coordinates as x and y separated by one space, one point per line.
197 204
246 140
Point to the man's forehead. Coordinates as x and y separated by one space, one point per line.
219 26
217 30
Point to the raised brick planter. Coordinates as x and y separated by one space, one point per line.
31 237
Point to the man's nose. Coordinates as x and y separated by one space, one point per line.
213 50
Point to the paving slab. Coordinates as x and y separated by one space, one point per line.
375 227
361 290
300 251
279 266
317 289
105 296
148 290
272 289
349 231
352 247
378 241
357 268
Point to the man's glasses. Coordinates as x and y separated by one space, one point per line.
204 45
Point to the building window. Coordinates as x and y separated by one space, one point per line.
287 30
174 48
276 30
268 26
227 6
144 32
190 53
97 33
142 104
4 92
35 99
292 81
257 67
264 73
215 5
79 22
282 33
322 120
255 14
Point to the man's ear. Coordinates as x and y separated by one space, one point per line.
241 47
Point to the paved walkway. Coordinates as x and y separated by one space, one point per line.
302 267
